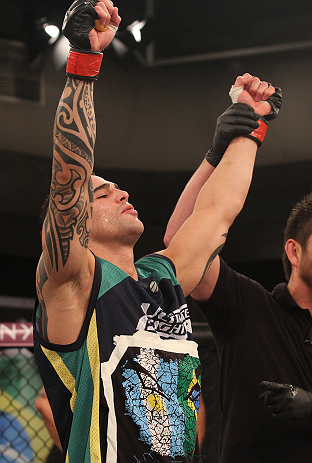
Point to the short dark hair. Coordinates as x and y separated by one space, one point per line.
298 228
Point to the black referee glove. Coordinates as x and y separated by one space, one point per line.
239 118
286 401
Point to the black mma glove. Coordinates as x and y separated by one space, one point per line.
275 101
286 401
239 118
82 62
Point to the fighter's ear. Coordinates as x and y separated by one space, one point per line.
294 251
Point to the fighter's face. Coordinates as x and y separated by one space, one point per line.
113 217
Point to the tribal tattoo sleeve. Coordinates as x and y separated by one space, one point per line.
71 194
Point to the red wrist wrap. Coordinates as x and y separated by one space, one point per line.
86 65
259 133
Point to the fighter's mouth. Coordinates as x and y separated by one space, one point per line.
129 208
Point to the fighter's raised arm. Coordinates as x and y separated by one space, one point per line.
237 119
219 196
65 270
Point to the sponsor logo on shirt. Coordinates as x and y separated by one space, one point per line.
175 325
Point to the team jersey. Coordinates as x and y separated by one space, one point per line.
128 389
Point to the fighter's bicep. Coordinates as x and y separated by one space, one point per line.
194 248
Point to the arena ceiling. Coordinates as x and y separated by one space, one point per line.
182 30
177 32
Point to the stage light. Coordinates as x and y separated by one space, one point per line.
53 32
42 34
135 29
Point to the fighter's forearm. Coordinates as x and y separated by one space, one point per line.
71 192
227 187
186 202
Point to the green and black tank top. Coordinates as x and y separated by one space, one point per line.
127 391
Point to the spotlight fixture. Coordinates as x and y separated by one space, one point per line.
42 34
53 32
135 33
135 29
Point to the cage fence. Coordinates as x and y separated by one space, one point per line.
24 437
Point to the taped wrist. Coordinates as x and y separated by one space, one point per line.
83 65
259 134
